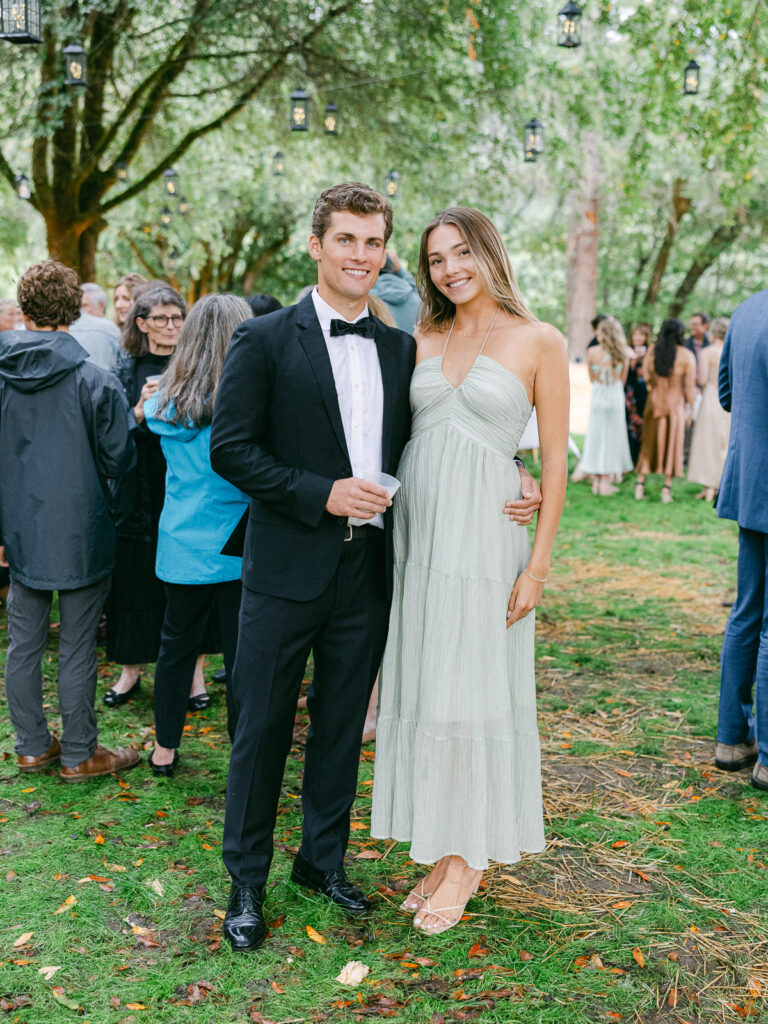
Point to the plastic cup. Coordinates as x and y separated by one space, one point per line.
154 379
389 483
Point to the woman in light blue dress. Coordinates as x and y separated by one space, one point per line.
457 760
606 447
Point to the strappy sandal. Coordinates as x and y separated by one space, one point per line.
418 894
666 495
446 922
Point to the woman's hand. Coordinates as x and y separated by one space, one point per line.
523 510
147 391
526 594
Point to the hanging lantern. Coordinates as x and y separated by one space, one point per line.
331 119
183 206
121 170
299 111
75 65
165 217
569 25
530 156
171 183
691 79
278 164
173 261
20 21
392 187
534 136
23 191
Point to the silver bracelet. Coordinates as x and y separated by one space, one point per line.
537 578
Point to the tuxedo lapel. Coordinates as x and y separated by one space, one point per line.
388 364
312 341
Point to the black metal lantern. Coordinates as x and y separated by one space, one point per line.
278 164
23 190
173 261
165 217
392 187
530 156
183 206
20 21
534 136
569 25
331 119
691 79
171 183
75 65
121 170
299 111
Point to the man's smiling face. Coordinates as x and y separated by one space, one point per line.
349 257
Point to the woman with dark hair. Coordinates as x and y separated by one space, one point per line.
635 388
670 372
261 303
200 512
136 603
457 760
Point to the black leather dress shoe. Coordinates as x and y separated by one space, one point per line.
333 884
220 676
244 923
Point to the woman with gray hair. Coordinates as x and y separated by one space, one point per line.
200 512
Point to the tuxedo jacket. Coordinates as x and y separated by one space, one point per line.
278 436
743 389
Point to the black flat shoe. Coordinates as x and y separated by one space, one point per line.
333 884
113 699
244 923
164 771
220 676
199 703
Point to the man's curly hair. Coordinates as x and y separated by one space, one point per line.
49 294
354 197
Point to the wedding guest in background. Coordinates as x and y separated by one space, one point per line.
698 339
636 389
606 447
136 604
397 288
709 444
261 303
199 514
594 325
10 315
99 337
670 371
70 420
742 725
122 298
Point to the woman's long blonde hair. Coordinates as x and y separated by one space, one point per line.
611 338
491 262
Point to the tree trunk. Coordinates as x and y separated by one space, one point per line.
680 206
74 245
709 253
581 254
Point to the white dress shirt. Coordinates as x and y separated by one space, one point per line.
357 375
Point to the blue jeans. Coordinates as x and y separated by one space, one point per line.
744 658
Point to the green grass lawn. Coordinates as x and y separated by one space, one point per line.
649 903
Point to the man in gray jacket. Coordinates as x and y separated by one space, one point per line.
63 435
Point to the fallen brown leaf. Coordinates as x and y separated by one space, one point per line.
315 936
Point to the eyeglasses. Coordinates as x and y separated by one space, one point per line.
162 321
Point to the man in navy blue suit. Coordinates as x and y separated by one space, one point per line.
742 728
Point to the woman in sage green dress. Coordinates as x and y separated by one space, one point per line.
457 769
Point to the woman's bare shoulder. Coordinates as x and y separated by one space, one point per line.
429 342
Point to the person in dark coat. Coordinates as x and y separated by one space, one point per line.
63 435
742 725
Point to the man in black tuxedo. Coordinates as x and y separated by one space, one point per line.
312 399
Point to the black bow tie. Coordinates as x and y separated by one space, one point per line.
365 328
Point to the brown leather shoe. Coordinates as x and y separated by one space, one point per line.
101 762
36 764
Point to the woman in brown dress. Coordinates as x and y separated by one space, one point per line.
670 370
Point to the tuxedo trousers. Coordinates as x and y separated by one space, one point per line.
743 709
345 628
